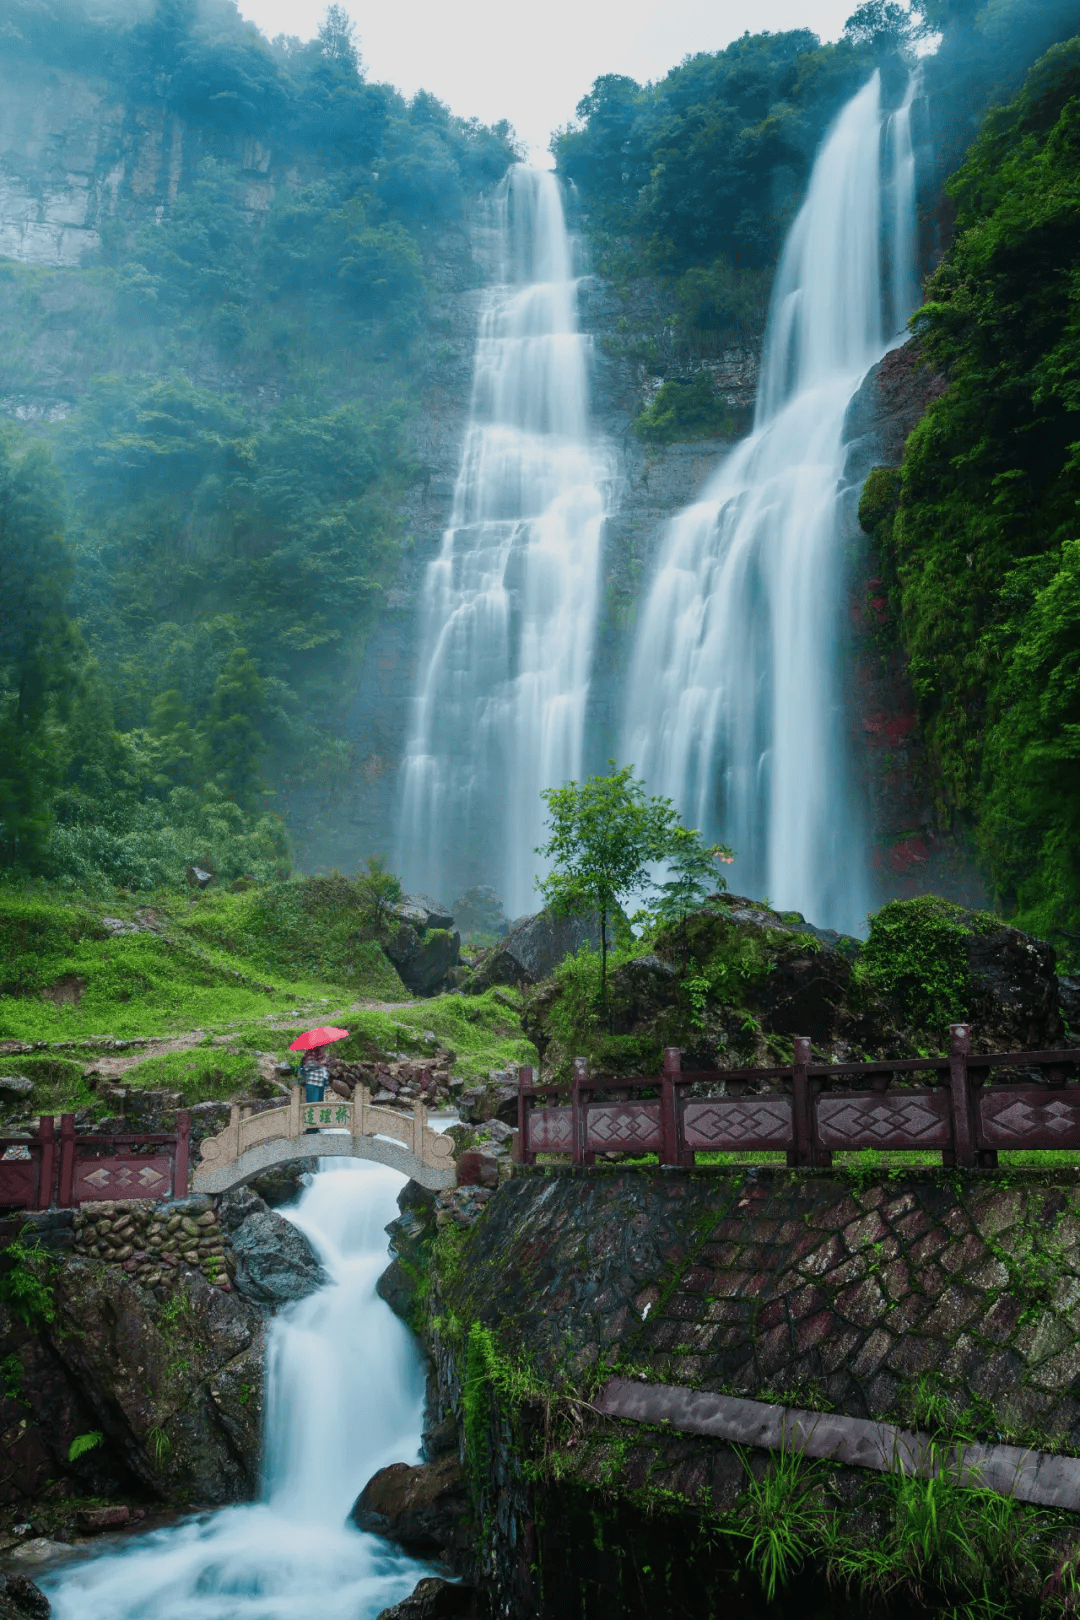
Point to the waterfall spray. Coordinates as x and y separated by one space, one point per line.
509 605
734 707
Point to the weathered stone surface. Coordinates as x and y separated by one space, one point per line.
425 1508
739 1282
269 1259
172 1378
423 912
423 959
432 1600
534 948
20 1599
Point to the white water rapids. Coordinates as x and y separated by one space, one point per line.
509 605
345 1390
735 707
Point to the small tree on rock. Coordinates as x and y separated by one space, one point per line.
606 834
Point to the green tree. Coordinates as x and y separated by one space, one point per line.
38 647
691 877
881 25
605 836
233 742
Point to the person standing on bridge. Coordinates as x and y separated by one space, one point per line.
313 1070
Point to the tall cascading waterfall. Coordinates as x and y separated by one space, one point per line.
509 605
734 705
345 1396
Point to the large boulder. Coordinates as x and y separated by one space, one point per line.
269 1259
423 912
534 948
480 911
425 1509
1014 993
423 960
1069 1001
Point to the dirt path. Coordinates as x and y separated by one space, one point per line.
111 1068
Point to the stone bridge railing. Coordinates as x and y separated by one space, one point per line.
301 1130
808 1110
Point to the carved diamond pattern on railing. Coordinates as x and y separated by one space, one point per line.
623 1125
742 1122
122 1178
1015 1118
899 1121
549 1130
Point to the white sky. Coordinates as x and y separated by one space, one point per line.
489 60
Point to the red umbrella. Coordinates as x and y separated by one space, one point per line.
318 1037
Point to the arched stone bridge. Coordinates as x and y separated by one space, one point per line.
252 1143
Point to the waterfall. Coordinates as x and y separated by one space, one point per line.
509 605
735 707
345 1395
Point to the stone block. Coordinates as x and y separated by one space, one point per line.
1060 1371
956 1306
912 1354
813 1330
999 1373
962 1254
1042 1337
999 1322
863 1303
834 1351
926 1247
819 1261
994 1212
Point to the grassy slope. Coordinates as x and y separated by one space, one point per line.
220 966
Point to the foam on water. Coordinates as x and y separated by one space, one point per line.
345 1393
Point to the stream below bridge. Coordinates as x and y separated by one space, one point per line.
344 1397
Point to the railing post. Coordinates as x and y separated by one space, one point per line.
47 1167
577 1114
525 1154
669 1123
182 1162
66 1192
962 1120
801 1152
294 1111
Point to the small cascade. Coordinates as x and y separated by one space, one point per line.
735 707
345 1395
509 605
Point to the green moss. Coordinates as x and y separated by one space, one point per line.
686 409
916 954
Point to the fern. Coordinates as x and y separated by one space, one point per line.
83 1443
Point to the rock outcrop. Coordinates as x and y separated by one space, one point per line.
21 1599
425 1509
533 949
434 1599
269 1259
170 1378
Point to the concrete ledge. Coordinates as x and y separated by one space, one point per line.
1030 1476
321 1145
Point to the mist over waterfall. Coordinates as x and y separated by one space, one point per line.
735 707
509 604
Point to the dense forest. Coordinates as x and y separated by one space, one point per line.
192 559
190 563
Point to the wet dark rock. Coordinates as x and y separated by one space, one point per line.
423 960
1013 1001
1069 1000
20 1599
477 1169
534 948
440 1439
425 1509
15 1088
433 1599
270 1260
480 911
51 1228
281 1184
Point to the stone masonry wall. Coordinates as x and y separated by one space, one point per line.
800 1285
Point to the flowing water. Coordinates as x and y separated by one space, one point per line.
509 605
345 1392
735 707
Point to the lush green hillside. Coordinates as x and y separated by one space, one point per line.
191 562
979 531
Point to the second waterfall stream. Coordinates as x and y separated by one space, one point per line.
734 705
509 608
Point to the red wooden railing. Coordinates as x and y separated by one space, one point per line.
960 1115
39 1171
